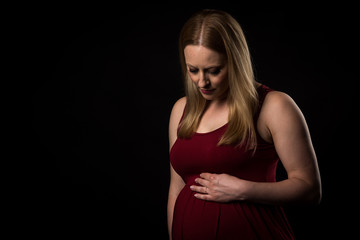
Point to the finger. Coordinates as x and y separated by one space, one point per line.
199 189
207 176
211 177
202 182
203 196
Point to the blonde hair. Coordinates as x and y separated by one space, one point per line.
219 31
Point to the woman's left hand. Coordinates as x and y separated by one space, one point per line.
219 187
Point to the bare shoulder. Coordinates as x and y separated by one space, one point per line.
175 117
179 104
280 112
278 99
178 109
277 104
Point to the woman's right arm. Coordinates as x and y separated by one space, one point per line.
176 182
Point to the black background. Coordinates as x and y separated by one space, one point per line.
107 83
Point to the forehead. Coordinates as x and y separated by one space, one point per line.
201 56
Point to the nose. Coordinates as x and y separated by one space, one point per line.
203 80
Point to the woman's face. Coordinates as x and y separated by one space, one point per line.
208 70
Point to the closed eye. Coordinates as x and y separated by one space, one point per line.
193 70
211 70
215 71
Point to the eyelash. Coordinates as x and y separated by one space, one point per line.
193 70
215 72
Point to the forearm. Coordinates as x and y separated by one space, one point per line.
289 191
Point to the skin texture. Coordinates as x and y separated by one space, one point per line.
280 122
208 70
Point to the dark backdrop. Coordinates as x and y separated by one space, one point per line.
100 114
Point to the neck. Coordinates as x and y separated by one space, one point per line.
216 104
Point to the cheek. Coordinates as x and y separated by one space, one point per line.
220 80
193 78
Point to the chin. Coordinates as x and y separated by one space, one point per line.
211 97
208 97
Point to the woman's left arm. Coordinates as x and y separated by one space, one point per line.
288 130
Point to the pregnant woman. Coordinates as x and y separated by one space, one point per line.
226 137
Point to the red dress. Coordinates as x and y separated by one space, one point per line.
198 219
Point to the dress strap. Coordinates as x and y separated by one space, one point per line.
262 92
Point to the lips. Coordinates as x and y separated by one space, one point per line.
207 91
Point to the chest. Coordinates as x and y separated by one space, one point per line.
201 153
212 119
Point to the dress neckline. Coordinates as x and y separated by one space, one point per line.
212 131
258 88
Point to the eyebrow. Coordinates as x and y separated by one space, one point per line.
213 66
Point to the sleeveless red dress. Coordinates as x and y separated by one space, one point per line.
198 219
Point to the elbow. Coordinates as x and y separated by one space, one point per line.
310 193
318 196
317 189
314 195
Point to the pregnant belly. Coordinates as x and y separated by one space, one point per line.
199 219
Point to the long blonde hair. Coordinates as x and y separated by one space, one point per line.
219 31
